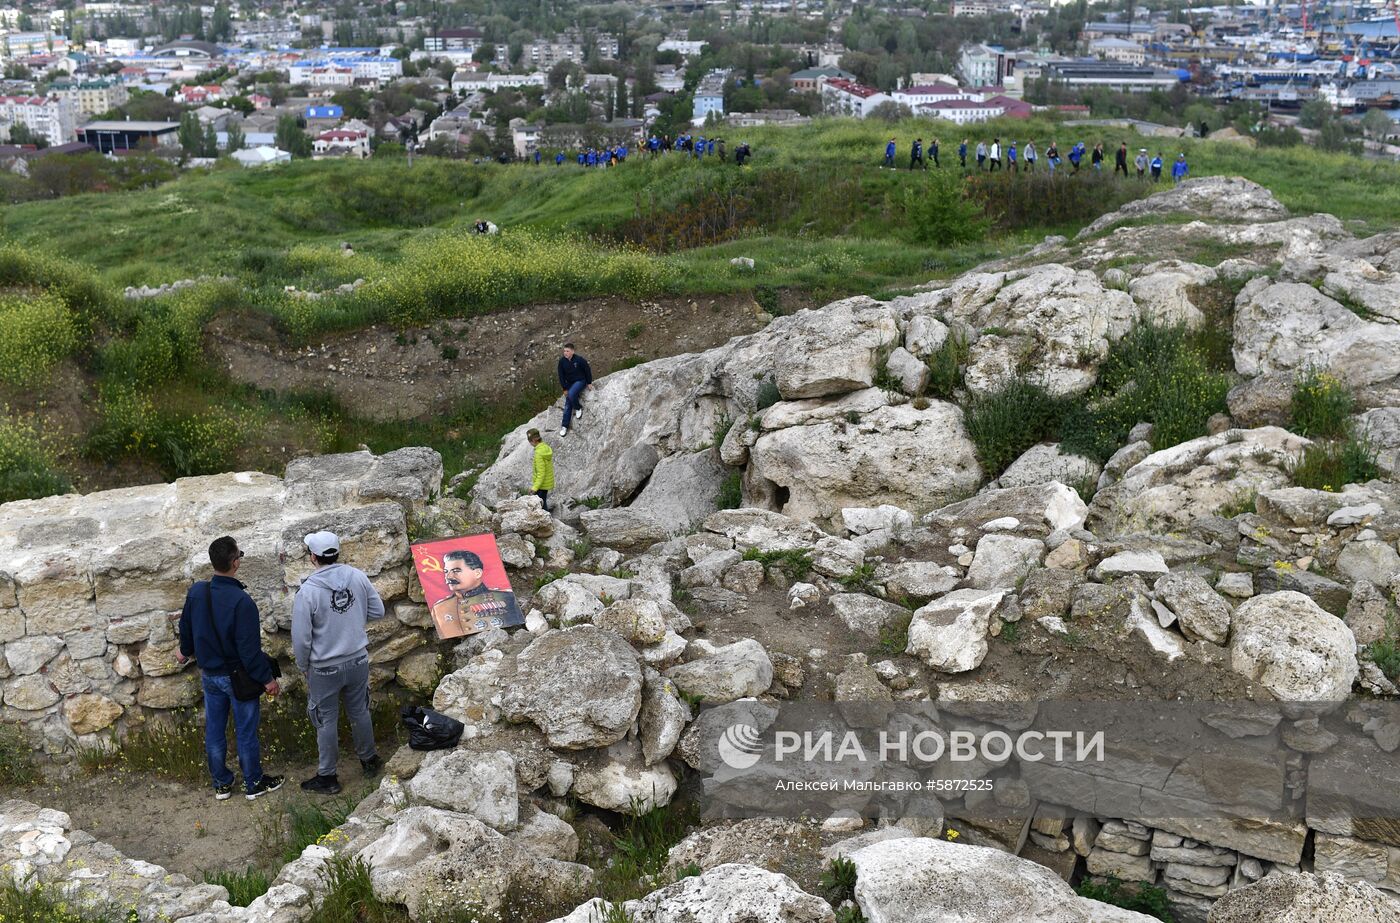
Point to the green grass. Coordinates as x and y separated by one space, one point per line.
17 763
1386 655
1005 424
1141 897
637 861
795 562
894 639
27 465
945 366
243 887
1334 463
40 903
1322 405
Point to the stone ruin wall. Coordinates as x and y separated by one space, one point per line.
91 586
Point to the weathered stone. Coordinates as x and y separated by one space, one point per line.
89 712
1373 562
1299 652
581 686
867 615
731 672
950 634
481 785
663 717
1304 898
623 528
1002 561
1202 613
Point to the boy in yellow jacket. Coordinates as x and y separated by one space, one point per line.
543 481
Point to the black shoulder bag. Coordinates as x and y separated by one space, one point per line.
245 688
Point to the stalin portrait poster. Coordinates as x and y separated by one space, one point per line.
465 586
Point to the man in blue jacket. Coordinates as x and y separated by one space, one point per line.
889 154
219 629
575 376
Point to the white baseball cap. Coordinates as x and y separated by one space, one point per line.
322 543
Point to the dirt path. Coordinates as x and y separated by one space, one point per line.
179 825
383 373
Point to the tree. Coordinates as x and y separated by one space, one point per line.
1377 124
209 142
621 110
191 140
236 140
891 111
1315 113
20 133
485 54
291 138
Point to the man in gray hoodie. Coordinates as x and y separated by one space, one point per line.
332 650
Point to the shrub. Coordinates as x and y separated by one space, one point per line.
182 442
1333 464
17 766
768 394
27 468
1007 423
795 562
349 896
1386 655
48 904
937 213
1322 405
731 492
1154 374
640 851
36 332
945 366
243 887
838 882
460 275
1142 897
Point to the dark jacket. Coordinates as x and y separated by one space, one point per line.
230 636
572 370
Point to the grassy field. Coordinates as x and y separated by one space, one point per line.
813 210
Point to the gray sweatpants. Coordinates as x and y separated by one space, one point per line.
324 688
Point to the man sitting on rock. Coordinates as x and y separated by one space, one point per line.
575 377
219 628
332 649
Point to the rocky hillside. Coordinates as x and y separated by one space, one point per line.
1138 482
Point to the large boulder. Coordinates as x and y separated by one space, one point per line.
626 527
734 671
1294 648
1171 489
1053 326
867 615
767 842
1003 561
731 894
950 633
924 880
1046 462
897 455
619 779
481 785
1202 613
1040 508
581 686
1290 326
1299 897
1231 198
426 856
834 350
683 489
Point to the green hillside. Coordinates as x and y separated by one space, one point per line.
107 390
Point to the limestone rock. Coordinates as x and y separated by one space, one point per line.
481 785
924 880
624 528
918 581
834 350
1201 611
90 712
1041 464
898 455
734 671
950 634
867 615
1298 897
1299 652
618 779
1373 562
663 717
766 842
683 489
731 894
1003 561
1043 507
640 621
581 686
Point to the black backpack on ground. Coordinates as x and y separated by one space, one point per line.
430 730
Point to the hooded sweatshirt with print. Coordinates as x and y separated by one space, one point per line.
329 616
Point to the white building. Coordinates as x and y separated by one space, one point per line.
50 118
472 81
261 156
984 65
24 44
846 97
914 96
369 68
1118 49
687 48
92 97
960 111
341 142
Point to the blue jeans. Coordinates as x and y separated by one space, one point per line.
218 700
572 399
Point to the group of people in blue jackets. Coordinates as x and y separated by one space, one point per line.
994 157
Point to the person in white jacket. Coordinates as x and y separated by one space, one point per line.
331 647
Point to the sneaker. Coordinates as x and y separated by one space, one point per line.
223 792
265 784
322 785
563 431
372 766
578 413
